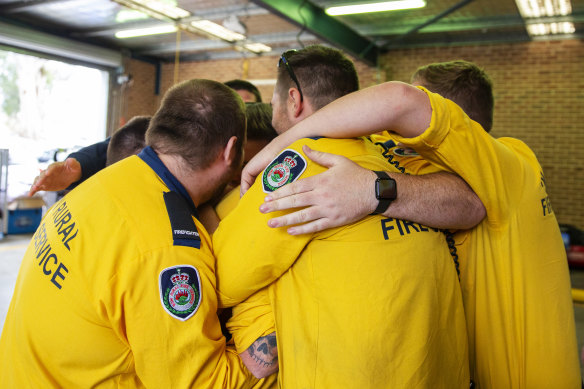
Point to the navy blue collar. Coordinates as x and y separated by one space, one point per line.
149 156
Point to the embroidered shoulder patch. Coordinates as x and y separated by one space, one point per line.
405 152
180 291
285 168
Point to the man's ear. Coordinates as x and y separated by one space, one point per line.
296 104
230 151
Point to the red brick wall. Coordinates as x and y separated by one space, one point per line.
138 96
539 98
142 101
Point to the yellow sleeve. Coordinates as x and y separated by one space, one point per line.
227 203
251 320
249 254
458 144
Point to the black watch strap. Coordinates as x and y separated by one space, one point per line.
385 191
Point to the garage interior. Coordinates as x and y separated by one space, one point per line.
533 51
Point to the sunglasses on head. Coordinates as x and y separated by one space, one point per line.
284 60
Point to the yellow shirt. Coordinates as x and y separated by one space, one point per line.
372 305
117 289
514 272
228 203
252 318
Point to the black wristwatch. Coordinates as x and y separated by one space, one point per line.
385 191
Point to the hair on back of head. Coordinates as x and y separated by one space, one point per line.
259 121
195 121
464 83
128 139
245 85
324 74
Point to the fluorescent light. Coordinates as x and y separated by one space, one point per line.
263 81
156 9
146 31
257 47
542 8
375 7
530 9
164 8
550 28
217 30
126 15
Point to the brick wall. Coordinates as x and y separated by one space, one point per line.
138 96
142 101
539 98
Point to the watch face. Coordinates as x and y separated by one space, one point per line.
385 189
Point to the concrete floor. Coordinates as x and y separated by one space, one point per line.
12 248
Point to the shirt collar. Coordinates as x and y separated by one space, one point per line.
149 156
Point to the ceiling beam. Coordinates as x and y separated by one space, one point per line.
21 6
219 55
211 14
314 19
430 21
247 9
503 21
479 39
449 40
36 41
203 45
444 26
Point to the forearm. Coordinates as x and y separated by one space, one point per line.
394 106
91 158
261 358
439 200
345 193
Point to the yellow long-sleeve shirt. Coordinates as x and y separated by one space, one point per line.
117 289
372 305
514 273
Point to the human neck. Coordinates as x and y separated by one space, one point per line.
198 183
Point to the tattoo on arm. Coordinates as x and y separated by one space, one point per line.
264 351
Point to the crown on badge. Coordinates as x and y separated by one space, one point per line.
179 278
290 161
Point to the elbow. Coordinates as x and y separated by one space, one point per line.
481 213
476 213
410 110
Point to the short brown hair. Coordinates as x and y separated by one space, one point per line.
245 85
128 139
464 83
324 74
195 121
259 121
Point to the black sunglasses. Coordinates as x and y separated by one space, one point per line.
284 61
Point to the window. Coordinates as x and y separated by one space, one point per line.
48 108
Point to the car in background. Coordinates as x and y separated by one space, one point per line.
574 242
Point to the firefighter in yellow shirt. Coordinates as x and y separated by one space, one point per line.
117 287
343 316
514 273
349 289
